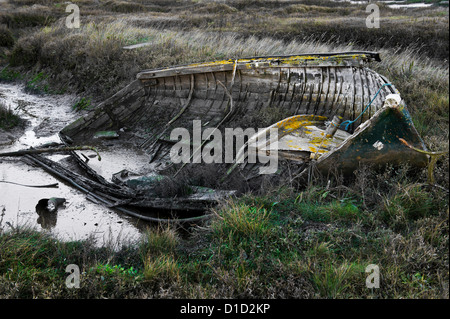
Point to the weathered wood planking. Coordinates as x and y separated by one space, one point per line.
162 99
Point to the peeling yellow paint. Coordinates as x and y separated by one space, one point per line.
261 62
295 59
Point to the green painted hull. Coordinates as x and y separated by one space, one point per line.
376 143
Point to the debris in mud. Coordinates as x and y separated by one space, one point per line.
22 184
8 138
53 185
128 200
136 181
50 150
50 205
106 135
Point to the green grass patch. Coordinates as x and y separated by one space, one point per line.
9 75
38 84
8 118
82 104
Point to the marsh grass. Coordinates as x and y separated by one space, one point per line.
8 118
9 75
240 221
162 268
331 280
6 37
161 240
28 17
82 104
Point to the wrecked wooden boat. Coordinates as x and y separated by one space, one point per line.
329 147
331 111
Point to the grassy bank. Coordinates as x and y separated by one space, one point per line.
314 243
287 240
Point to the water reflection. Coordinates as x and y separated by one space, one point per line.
47 219
47 209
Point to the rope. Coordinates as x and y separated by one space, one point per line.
368 105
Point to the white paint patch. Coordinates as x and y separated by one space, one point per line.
378 145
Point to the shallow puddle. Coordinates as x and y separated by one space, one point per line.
392 4
401 5
78 218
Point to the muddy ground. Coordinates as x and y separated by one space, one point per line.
43 116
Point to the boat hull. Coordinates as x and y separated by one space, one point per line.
256 93
253 92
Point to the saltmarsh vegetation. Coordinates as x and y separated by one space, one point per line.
8 118
292 241
314 243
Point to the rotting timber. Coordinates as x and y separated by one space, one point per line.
310 91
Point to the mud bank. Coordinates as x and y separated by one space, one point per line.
44 116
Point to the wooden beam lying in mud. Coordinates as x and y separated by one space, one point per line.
51 150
